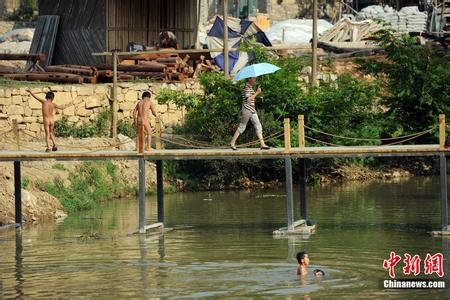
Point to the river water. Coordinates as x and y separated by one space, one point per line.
222 245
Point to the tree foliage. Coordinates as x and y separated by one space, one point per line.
345 107
27 11
415 79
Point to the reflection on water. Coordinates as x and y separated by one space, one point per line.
222 245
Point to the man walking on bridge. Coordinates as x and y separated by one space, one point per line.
141 117
248 113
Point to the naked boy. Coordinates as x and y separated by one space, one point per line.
47 113
141 116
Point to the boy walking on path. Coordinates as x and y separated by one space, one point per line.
141 116
47 113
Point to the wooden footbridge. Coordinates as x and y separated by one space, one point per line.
205 152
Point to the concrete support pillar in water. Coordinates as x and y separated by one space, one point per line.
302 193
160 189
289 193
18 192
443 190
142 213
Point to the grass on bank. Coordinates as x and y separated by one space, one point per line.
89 184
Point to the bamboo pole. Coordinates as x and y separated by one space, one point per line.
301 130
114 97
16 133
441 131
314 45
287 135
140 139
158 143
225 38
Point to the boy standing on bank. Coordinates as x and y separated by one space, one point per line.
48 107
141 116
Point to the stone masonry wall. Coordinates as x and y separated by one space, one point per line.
85 102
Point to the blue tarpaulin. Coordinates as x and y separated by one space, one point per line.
238 31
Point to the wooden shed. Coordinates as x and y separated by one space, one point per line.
88 26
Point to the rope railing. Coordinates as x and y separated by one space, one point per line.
369 139
408 138
18 135
201 145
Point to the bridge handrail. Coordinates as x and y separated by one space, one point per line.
369 139
406 138
200 145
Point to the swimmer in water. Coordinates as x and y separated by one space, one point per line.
303 262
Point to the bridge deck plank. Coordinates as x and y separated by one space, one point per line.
245 153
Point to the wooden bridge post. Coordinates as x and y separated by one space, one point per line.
441 131
443 192
142 212
289 193
287 135
18 192
159 174
160 190
301 131
140 139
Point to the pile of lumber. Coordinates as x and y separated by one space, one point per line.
60 74
205 65
176 67
350 31
163 67
150 66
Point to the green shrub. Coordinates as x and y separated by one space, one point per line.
27 11
25 183
415 84
98 127
126 128
344 107
58 166
90 183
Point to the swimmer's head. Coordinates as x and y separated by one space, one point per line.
318 273
303 258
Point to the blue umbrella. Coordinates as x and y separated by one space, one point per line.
256 70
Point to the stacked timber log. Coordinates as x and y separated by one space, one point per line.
147 70
350 36
55 75
165 66
88 74
10 69
205 65
159 67
351 31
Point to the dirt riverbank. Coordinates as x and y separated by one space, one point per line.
39 205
